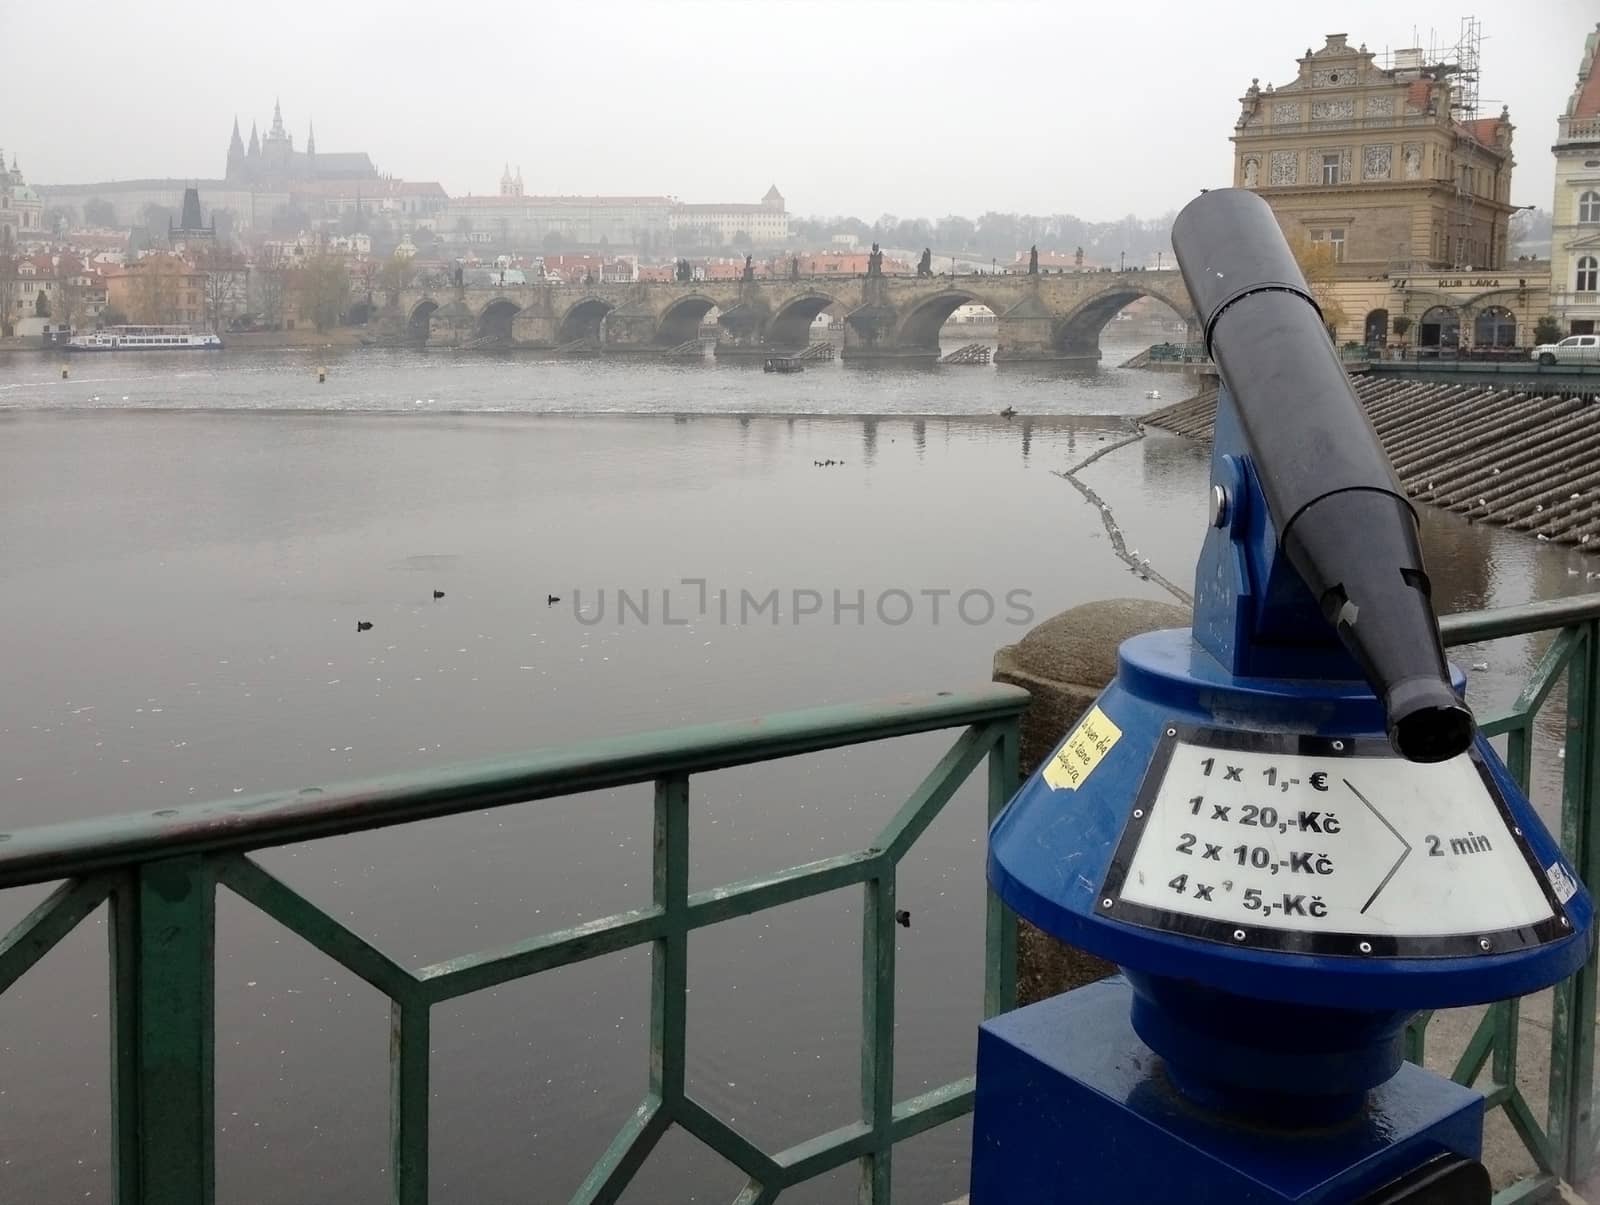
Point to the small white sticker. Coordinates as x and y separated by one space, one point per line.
1560 881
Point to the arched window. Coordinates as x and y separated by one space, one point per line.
1495 327
1439 328
1588 274
1589 207
1376 328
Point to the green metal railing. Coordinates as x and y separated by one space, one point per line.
159 871
1195 353
1564 1147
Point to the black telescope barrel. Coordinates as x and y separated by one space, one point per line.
1342 520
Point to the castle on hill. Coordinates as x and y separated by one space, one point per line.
272 164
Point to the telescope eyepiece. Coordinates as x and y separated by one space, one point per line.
1427 721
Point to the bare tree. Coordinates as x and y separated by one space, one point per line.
224 283
268 281
69 298
324 290
8 281
1320 265
99 212
153 298
394 275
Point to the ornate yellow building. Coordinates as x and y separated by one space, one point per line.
1409 196
1575 214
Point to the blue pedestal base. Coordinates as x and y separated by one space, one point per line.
1073 1109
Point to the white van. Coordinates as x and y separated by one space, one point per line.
1576 349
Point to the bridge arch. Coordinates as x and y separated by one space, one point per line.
680 321
1078 332
584 319
418 321
495 320
921 324
790 327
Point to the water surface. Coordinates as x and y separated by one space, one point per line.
183 573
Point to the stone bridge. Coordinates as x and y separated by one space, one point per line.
1046 317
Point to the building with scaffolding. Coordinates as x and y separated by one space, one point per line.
1382 171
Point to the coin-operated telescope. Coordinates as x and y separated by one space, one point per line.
1281 824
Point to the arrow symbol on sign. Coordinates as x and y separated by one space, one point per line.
1383 821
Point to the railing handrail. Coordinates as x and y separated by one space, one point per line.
78 847
1495 623
54 851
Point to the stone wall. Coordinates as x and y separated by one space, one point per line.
1064 663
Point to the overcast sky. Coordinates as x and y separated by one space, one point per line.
912 107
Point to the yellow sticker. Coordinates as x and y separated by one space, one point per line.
1081 752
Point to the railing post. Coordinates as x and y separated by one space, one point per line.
669 958
409 1065
1000 923
877 1035
1572 1020
163 921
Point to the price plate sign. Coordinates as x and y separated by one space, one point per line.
1307 844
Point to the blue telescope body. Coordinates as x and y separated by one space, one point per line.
1282 824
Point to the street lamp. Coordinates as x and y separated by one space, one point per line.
1122 261
1158 261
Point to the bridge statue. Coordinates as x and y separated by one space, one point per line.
749 268
1033 260
925 264
794 268
875 262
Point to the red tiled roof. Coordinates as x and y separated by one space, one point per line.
1589 99
1481 129
1419 92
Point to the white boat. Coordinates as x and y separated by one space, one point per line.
144 338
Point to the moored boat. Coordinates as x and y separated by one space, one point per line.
144 338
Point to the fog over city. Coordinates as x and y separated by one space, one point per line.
858 108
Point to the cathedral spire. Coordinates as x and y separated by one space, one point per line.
235 152
277 120
311 137
255 142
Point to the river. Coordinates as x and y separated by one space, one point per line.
189 542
